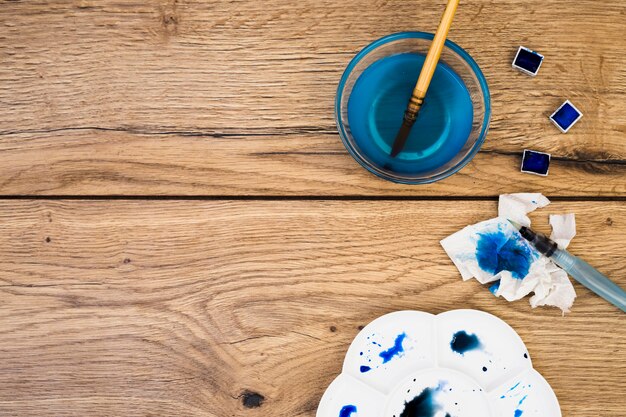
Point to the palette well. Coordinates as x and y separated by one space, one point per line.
462 363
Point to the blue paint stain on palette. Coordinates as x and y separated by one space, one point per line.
461 363
381 351
347 410
463 342
518 397
384 355
438 393
424 404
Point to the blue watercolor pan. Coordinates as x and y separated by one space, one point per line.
534 162
566 116
527 61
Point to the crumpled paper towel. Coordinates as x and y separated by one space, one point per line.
493 251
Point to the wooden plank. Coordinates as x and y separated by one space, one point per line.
88 89
186 308
105 163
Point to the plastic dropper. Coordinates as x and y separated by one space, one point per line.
580 270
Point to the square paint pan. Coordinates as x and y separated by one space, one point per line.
566 116
527 61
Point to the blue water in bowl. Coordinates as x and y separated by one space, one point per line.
377 104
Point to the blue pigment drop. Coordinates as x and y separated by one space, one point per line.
463 342
395 350
364 369
496 252
347 410
423 405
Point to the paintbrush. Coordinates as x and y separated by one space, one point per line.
426 75
580 270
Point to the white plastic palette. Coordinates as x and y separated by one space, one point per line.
462 363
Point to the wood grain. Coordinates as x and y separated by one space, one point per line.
191 308
236 97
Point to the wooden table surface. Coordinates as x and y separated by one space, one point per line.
182 232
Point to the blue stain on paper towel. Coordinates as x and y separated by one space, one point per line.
464 342
395 350
497 252
494 287
347 411
423 405
364 369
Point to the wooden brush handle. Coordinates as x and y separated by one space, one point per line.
432 58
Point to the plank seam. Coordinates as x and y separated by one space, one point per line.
211 133
290 198
286 131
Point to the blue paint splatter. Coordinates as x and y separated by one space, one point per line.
513 387
519 412
395 350
347 411
495 287
496 252
364 369
423 405
463 342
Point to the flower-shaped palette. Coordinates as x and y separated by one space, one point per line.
462 363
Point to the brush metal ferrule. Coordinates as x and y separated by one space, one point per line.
415 104
409 118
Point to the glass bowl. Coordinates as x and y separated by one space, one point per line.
451 132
